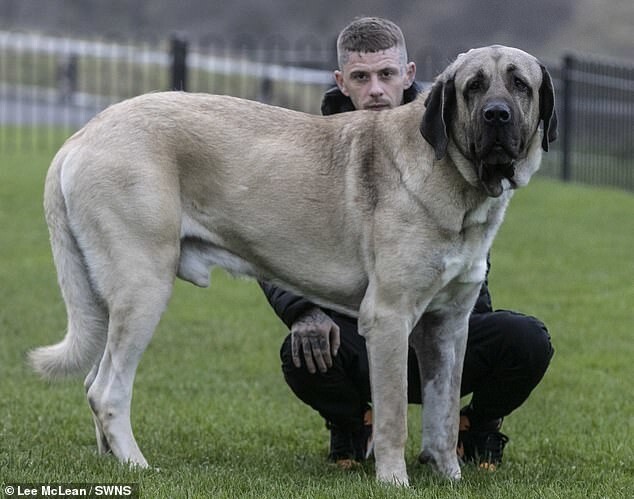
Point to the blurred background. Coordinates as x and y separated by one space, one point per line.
548 28
62 61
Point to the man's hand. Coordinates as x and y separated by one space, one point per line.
318 336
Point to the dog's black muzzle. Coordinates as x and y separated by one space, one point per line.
497 148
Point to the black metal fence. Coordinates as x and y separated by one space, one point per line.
50 86
596 122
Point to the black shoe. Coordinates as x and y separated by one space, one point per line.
349 448
484 448
482 444
340 444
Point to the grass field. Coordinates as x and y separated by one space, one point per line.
214 416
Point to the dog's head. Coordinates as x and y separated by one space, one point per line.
489 104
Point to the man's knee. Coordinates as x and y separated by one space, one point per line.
297 378
286 354
530 341
335 394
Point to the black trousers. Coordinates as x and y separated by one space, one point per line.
507 355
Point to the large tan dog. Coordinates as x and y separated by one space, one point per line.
388 216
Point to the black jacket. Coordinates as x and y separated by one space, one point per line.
289 306
335 102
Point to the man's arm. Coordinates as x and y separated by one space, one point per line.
312 330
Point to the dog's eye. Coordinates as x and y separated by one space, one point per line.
474 85
520 85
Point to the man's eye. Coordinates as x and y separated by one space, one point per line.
359 76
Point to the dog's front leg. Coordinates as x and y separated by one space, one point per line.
386 342
439 340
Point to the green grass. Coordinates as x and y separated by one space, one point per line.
213 414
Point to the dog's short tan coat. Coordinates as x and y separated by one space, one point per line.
386 216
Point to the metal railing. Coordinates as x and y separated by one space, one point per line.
597 122
50 86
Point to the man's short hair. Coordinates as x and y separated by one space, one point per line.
370 34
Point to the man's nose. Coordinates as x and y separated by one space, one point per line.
376 90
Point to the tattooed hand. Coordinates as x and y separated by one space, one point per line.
318 336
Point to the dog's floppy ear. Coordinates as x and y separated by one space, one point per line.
547 112
439 109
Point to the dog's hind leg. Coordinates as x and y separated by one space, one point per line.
134 258
134 315
115 242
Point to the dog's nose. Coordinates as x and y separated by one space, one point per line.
497 113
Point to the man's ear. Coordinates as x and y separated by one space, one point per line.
547 112
439 110
410 74
340 83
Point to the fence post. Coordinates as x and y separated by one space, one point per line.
567 119
178 53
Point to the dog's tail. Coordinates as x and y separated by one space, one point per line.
87 317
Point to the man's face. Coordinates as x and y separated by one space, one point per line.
375 80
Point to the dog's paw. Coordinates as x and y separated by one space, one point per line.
393 476
446 466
